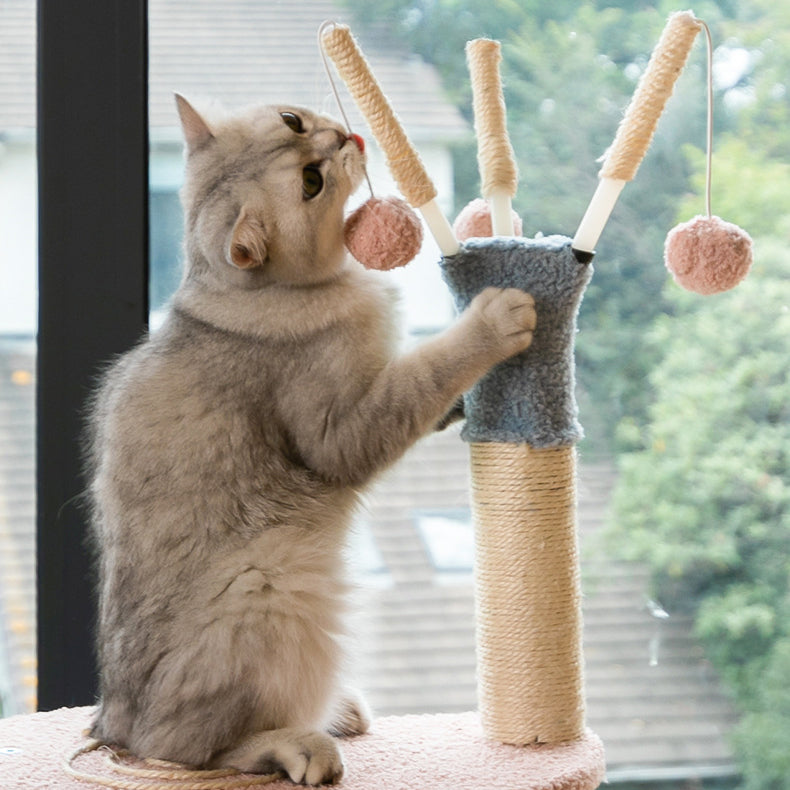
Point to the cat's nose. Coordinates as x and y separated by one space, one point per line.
360 143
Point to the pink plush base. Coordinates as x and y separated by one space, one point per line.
437 752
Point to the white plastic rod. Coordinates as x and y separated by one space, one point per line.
501 212
440 228
597 214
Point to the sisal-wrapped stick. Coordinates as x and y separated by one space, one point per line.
403 160
638 126
495 157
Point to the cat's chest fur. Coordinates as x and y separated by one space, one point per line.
204 408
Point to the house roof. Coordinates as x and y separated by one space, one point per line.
238 52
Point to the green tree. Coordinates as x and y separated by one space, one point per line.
705 500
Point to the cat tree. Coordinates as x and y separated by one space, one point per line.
521 418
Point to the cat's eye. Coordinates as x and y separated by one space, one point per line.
293 122
312 181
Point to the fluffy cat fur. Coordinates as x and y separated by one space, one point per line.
228 451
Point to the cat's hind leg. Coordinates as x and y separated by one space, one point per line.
351 715
306 757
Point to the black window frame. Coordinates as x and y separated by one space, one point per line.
93 293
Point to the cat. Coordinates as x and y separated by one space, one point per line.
228 450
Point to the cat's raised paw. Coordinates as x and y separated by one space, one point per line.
510 314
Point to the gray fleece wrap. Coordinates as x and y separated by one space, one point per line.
530 397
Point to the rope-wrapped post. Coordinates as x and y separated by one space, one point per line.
522 426
638 126
528 594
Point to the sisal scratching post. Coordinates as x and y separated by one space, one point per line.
522 428
521 424
528 593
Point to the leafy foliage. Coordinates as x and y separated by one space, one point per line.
705 500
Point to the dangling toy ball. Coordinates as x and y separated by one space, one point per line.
383 233
708 255
474 221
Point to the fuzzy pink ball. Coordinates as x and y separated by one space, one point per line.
383 233
708 255
474 221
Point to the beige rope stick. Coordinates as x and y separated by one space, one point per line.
157 774
528 593
636 130
655 87
402 158
496 160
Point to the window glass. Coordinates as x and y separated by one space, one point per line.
18 320
684 399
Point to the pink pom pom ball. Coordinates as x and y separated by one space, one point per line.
708 255
474 221
383 233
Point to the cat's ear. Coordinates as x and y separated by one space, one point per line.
248 242
196 130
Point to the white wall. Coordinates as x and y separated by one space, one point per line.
18 237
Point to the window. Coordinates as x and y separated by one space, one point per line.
18 316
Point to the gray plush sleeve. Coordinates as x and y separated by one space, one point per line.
530 397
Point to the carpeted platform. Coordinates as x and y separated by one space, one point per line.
440 752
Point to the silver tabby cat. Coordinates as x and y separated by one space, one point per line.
229 449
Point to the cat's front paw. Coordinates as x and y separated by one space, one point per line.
310 758
509 316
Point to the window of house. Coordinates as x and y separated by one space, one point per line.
18 322
683 474
448 537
